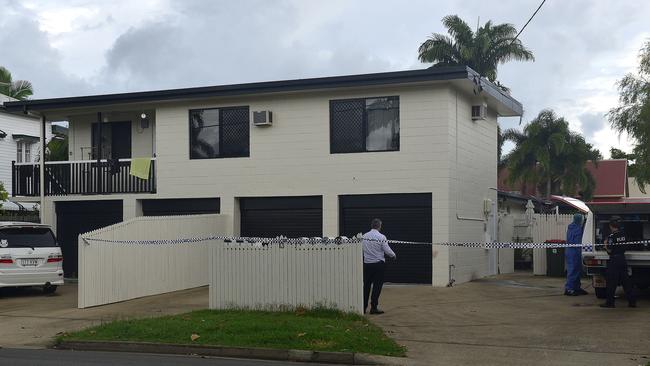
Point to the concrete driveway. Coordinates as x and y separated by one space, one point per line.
31 319
514 320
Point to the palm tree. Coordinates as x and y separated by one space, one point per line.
19 89
550 156
482 50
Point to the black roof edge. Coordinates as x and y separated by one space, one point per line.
393 77
519 196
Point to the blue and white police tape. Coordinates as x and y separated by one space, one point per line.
262 241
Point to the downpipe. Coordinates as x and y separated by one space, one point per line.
451 276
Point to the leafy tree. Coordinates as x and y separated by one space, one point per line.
19 89
57 149
483 50
631 160
3 194
632 115
551 157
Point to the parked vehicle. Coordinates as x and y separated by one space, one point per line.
635 220
635 217
29 256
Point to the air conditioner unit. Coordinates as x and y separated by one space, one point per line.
262 118
479 111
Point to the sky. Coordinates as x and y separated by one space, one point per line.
82 47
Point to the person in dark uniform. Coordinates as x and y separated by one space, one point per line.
617 265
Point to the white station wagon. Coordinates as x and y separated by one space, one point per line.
29 256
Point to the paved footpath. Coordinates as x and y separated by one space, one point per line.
30 319
517 320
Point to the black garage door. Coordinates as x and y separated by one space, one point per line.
404 217
292 217
180 206
74 218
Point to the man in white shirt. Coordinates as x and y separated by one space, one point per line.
375 247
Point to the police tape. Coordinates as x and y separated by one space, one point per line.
341 240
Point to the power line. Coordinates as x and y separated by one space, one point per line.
531 18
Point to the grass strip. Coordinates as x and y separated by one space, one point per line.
316 330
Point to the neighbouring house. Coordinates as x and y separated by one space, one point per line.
19 143
512 203
610 176
306 157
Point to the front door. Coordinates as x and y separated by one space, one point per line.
115 141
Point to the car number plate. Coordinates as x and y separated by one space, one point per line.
29 262
598 282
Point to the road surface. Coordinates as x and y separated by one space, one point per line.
48 357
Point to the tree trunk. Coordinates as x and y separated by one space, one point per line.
548 188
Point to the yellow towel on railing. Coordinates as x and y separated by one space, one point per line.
140 167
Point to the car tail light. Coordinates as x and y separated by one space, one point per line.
6 260
54 259
592 262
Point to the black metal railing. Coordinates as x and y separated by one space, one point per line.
64 178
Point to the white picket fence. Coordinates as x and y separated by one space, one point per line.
113 272
272 277
547 227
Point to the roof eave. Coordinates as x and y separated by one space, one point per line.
508 104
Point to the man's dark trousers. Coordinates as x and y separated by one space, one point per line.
617 273
373 274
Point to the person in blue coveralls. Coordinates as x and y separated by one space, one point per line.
573 256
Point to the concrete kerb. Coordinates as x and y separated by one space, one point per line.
346 358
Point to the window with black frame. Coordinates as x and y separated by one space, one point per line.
364 125
219 133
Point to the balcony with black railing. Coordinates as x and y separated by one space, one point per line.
85 177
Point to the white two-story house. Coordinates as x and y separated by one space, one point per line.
307 157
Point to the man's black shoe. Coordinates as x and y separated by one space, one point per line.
582 292
376 311
610 306
631 305
570 293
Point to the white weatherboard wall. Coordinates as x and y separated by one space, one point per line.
112 272
273 277
13 124
547 227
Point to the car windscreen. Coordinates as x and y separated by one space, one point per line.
34 237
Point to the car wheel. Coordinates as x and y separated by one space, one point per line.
48 290
601 292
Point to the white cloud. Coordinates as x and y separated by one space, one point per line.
83 46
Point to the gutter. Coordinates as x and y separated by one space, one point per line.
385 78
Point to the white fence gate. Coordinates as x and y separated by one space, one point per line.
112 272
272 277
547 227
